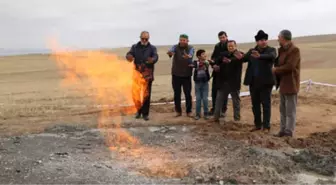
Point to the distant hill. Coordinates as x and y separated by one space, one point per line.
298 40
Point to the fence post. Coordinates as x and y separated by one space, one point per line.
310 82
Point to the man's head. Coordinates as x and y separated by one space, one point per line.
144 37
222 36
285 36
232 46
184 39
261 39
201 55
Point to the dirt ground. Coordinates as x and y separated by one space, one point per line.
70 149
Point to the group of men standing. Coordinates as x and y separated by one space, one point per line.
265 69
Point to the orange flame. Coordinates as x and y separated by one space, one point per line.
114 81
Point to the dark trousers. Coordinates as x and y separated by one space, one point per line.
179 83
141 93
214 90
261 95
222 97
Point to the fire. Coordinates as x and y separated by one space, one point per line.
112 81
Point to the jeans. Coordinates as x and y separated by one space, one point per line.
202 93
185 83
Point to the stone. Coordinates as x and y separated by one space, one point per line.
199 179
172 128
154 129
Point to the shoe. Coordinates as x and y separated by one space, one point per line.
189 115
255 129
137 116
214 120
280 134
206 116
211 112
197 117
178 114
145 118
286 134
266 130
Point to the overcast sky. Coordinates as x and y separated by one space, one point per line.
114 23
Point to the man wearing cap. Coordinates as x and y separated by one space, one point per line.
260 79
182 67
144 55
287 71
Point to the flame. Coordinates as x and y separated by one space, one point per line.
114 81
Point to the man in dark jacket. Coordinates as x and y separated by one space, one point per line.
182 67
260 80
229 72
216 57
144 55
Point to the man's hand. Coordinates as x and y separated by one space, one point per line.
129 57
255 54
238 55
191 65
150 60
186 56
211 61
216 68
170 54
273 70
226 60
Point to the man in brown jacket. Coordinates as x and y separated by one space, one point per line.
287 71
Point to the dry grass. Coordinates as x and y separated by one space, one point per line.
31 92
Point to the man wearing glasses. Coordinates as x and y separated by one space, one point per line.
144 55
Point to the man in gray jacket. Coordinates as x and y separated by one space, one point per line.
182 54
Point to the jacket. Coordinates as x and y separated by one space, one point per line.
288 69
141 54
217 53
263 65
229 72
196 66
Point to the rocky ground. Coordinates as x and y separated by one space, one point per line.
167 154
68 148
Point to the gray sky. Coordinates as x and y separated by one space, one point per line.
112 23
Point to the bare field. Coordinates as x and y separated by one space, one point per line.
32 102
30 84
